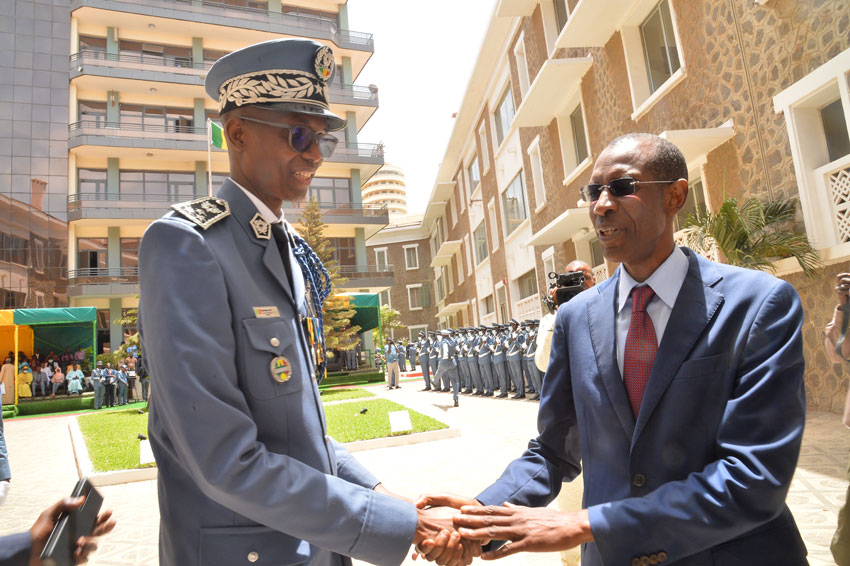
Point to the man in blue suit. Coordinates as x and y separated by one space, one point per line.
230 319
677 384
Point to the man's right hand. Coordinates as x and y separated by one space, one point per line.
842 288
43 526
446 547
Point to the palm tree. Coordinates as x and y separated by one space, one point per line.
752 235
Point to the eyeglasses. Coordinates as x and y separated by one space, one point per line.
302 137
617 188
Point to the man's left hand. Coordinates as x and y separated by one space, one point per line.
525 529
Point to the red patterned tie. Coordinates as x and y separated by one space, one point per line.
641 346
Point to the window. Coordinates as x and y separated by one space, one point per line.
562 13
92 113
485 154
384 298
91 182
411 257
157 185
130 252
468 251
452 215
330 190
38 262
448 276
548 266
381 258
343 250
480 238
659 45
504 116
579 137
695 204
494 229
537 173
13 249
527 284
489 304
502 294
91 253
439 289
414 297
596 256
474 174
513 203
459 263
521 65
835 130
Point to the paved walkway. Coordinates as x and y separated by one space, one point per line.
493 433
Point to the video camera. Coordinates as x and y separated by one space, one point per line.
566 285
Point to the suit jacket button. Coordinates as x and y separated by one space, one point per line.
274 342
662 557
253 557
639 480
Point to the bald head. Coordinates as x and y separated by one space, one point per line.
578 265
660 158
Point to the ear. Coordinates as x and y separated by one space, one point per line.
234 131
677 194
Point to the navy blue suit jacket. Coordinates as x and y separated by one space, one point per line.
701 476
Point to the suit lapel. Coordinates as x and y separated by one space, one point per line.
695 306
601 316
243 210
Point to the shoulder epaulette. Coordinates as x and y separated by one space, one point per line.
204 211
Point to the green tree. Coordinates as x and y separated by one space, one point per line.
390 320
339 333
754 234
130 318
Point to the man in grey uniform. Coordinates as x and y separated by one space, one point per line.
448 363
247 472
500 372
433 360
485 366
513 361
422 347
529 350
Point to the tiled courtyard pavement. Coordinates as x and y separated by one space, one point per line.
493 432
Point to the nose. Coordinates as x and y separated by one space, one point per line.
312 153
603 204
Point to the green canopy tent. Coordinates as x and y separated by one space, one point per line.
368 313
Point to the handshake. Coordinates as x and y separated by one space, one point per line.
452 529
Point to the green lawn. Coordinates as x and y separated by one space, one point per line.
346 424
112 438
343 394
113 444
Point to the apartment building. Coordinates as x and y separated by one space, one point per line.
388 187
106 119
755 94
404 248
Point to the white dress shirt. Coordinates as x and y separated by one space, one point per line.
666 281
279 218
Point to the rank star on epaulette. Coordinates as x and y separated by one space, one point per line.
204 211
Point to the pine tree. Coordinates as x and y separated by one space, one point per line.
339 334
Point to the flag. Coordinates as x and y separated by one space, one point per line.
217 136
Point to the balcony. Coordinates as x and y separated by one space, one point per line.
103 282
446 252
131 73
110 206
177 142
552 87
206 18
373 278
529 308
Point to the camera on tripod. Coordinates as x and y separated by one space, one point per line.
566 285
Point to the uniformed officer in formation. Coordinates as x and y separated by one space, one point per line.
534 375
422 346
433 360
98 382
485 365
230 319
402 355
411 354
448 363
513 357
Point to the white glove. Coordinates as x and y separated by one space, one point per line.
5 486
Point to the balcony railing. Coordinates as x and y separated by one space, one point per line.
488 319
78 128
303 24
354 272
340 208
170 62
529 307
103 275
835 178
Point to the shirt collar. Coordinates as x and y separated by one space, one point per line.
665 281
264 210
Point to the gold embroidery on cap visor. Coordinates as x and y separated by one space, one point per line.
271 86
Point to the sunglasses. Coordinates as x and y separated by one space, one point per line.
302 137
621 187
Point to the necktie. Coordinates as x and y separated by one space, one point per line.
641 347
283 247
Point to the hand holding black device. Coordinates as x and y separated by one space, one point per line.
62 543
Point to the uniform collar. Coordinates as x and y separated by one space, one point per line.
264 210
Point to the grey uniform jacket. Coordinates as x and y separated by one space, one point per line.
247 472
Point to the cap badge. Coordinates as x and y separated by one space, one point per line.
262 229
324 63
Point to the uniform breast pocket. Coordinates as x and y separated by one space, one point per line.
270 359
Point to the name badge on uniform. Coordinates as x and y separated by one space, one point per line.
281 369
266 312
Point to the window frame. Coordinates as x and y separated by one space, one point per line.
418 294
415 248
